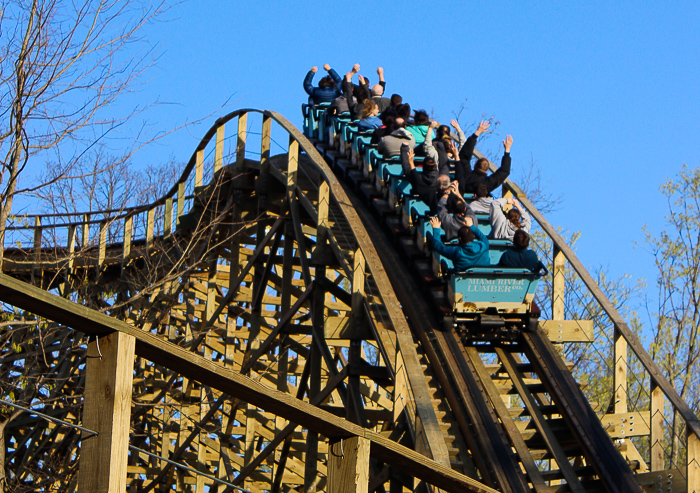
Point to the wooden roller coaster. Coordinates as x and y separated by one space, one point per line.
264 326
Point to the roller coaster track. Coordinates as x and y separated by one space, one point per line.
281 339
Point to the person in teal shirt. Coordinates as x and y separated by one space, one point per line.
472 250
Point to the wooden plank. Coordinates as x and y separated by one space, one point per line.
107 410
561 331
190 365
348 465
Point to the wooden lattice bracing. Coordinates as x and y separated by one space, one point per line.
268 338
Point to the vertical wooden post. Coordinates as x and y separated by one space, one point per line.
219 148
242 134
36 270
292 165
107 410
348 465
102 246
323 207
693 474
266 137
358 282
128 227
620 375
168 217
68 269
199 168
657 461
180 202
558 284
86 230
150 220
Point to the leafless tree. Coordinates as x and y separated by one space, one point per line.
61 65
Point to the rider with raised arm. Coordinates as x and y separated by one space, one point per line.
471 179
473 248
328 87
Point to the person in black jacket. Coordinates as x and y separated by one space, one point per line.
424 184
469 180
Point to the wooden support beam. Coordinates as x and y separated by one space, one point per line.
168 217
265 141
199 168
68 269
693 461
190 365
242 135
219 146
292 166
656 439
150 224
558 283
107 410
85 231
348 465
102 245
561 331
126 245
180 202
620 374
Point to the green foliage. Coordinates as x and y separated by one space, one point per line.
675 332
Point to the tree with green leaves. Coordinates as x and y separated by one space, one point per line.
676 317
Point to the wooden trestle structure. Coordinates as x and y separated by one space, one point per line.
254 328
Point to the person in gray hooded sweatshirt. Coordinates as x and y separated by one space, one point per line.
482 204
390 145
504 226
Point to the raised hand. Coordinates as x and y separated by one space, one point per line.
326 67
356 68
434 124
411 155
455 124
380 71
435 222
483 127
314 69
507 143
361 79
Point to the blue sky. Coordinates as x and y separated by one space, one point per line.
601 95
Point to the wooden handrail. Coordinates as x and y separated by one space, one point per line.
635 344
